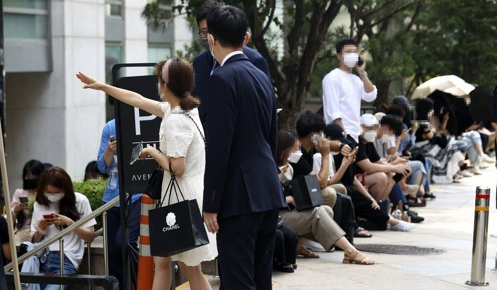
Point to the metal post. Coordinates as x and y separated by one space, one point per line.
105 240
89 261
61 252
480 234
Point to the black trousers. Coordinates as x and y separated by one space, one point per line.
245 245
363 209
285 246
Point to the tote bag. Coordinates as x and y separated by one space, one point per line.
177 227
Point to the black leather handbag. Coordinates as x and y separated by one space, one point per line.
154 186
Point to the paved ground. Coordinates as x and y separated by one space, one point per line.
448 226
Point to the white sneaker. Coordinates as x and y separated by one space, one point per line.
466 173
475 170
402 227
487 159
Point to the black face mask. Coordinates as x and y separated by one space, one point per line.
30 184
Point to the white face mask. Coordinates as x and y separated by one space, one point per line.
295 156
54 197
385 138
351 59
370 136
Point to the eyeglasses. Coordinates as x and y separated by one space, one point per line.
203 34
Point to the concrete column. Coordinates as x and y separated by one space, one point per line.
135 36
49 116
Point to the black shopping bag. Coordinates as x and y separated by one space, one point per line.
177 227
307 192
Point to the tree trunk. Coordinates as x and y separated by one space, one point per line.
382 98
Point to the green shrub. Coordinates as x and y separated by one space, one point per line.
93 190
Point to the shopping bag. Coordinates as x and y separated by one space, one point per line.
306 192
176 227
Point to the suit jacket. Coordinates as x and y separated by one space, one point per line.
241 175
203 64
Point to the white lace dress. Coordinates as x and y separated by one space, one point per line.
179 137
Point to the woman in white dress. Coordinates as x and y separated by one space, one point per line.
182 147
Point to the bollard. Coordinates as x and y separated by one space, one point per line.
480 234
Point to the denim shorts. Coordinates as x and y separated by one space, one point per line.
52 266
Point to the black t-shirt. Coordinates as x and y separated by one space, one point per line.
4 236
304 166
366 151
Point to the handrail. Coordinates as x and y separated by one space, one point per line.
66 231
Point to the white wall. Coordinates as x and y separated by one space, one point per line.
49 116
135 34
182 32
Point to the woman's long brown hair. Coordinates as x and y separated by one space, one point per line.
58 177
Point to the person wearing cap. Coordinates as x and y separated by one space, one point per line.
366 207
343 91
377 175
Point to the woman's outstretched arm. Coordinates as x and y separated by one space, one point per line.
125 96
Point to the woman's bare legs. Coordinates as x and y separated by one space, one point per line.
195 277
163 273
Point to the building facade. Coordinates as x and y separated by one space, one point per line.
49 116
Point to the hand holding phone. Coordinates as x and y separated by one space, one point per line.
23 199
135 154
49 216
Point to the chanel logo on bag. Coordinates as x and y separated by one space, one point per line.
171 222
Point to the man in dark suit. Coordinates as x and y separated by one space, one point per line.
204 64
242 192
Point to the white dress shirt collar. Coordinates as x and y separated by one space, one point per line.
230 55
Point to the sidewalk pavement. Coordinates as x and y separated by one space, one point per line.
448 226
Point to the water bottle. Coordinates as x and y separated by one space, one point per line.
397 214
112 182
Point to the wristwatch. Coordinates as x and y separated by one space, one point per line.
363 75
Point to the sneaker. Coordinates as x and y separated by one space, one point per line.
475 170
466 173
415 218
402 227
487 159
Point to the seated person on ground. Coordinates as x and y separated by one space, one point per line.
316 223
365 205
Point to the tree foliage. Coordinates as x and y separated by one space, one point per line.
406 40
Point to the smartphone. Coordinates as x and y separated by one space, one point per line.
360 61
112 139
49 216
135 154
397 177
23 199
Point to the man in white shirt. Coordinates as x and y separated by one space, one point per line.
343 90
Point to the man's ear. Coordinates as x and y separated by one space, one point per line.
247 38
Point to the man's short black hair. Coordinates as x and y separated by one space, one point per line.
228 25
396 111
393 124
343 43
203 11
309 122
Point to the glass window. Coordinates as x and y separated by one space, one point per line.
113 55
158 53
25 19
25 26
33 4
113 7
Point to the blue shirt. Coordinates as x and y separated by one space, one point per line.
110 193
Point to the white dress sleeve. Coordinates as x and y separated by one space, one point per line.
178 135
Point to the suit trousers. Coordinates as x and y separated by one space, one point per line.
246 246
316 223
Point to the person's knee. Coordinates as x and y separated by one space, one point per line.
329 196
